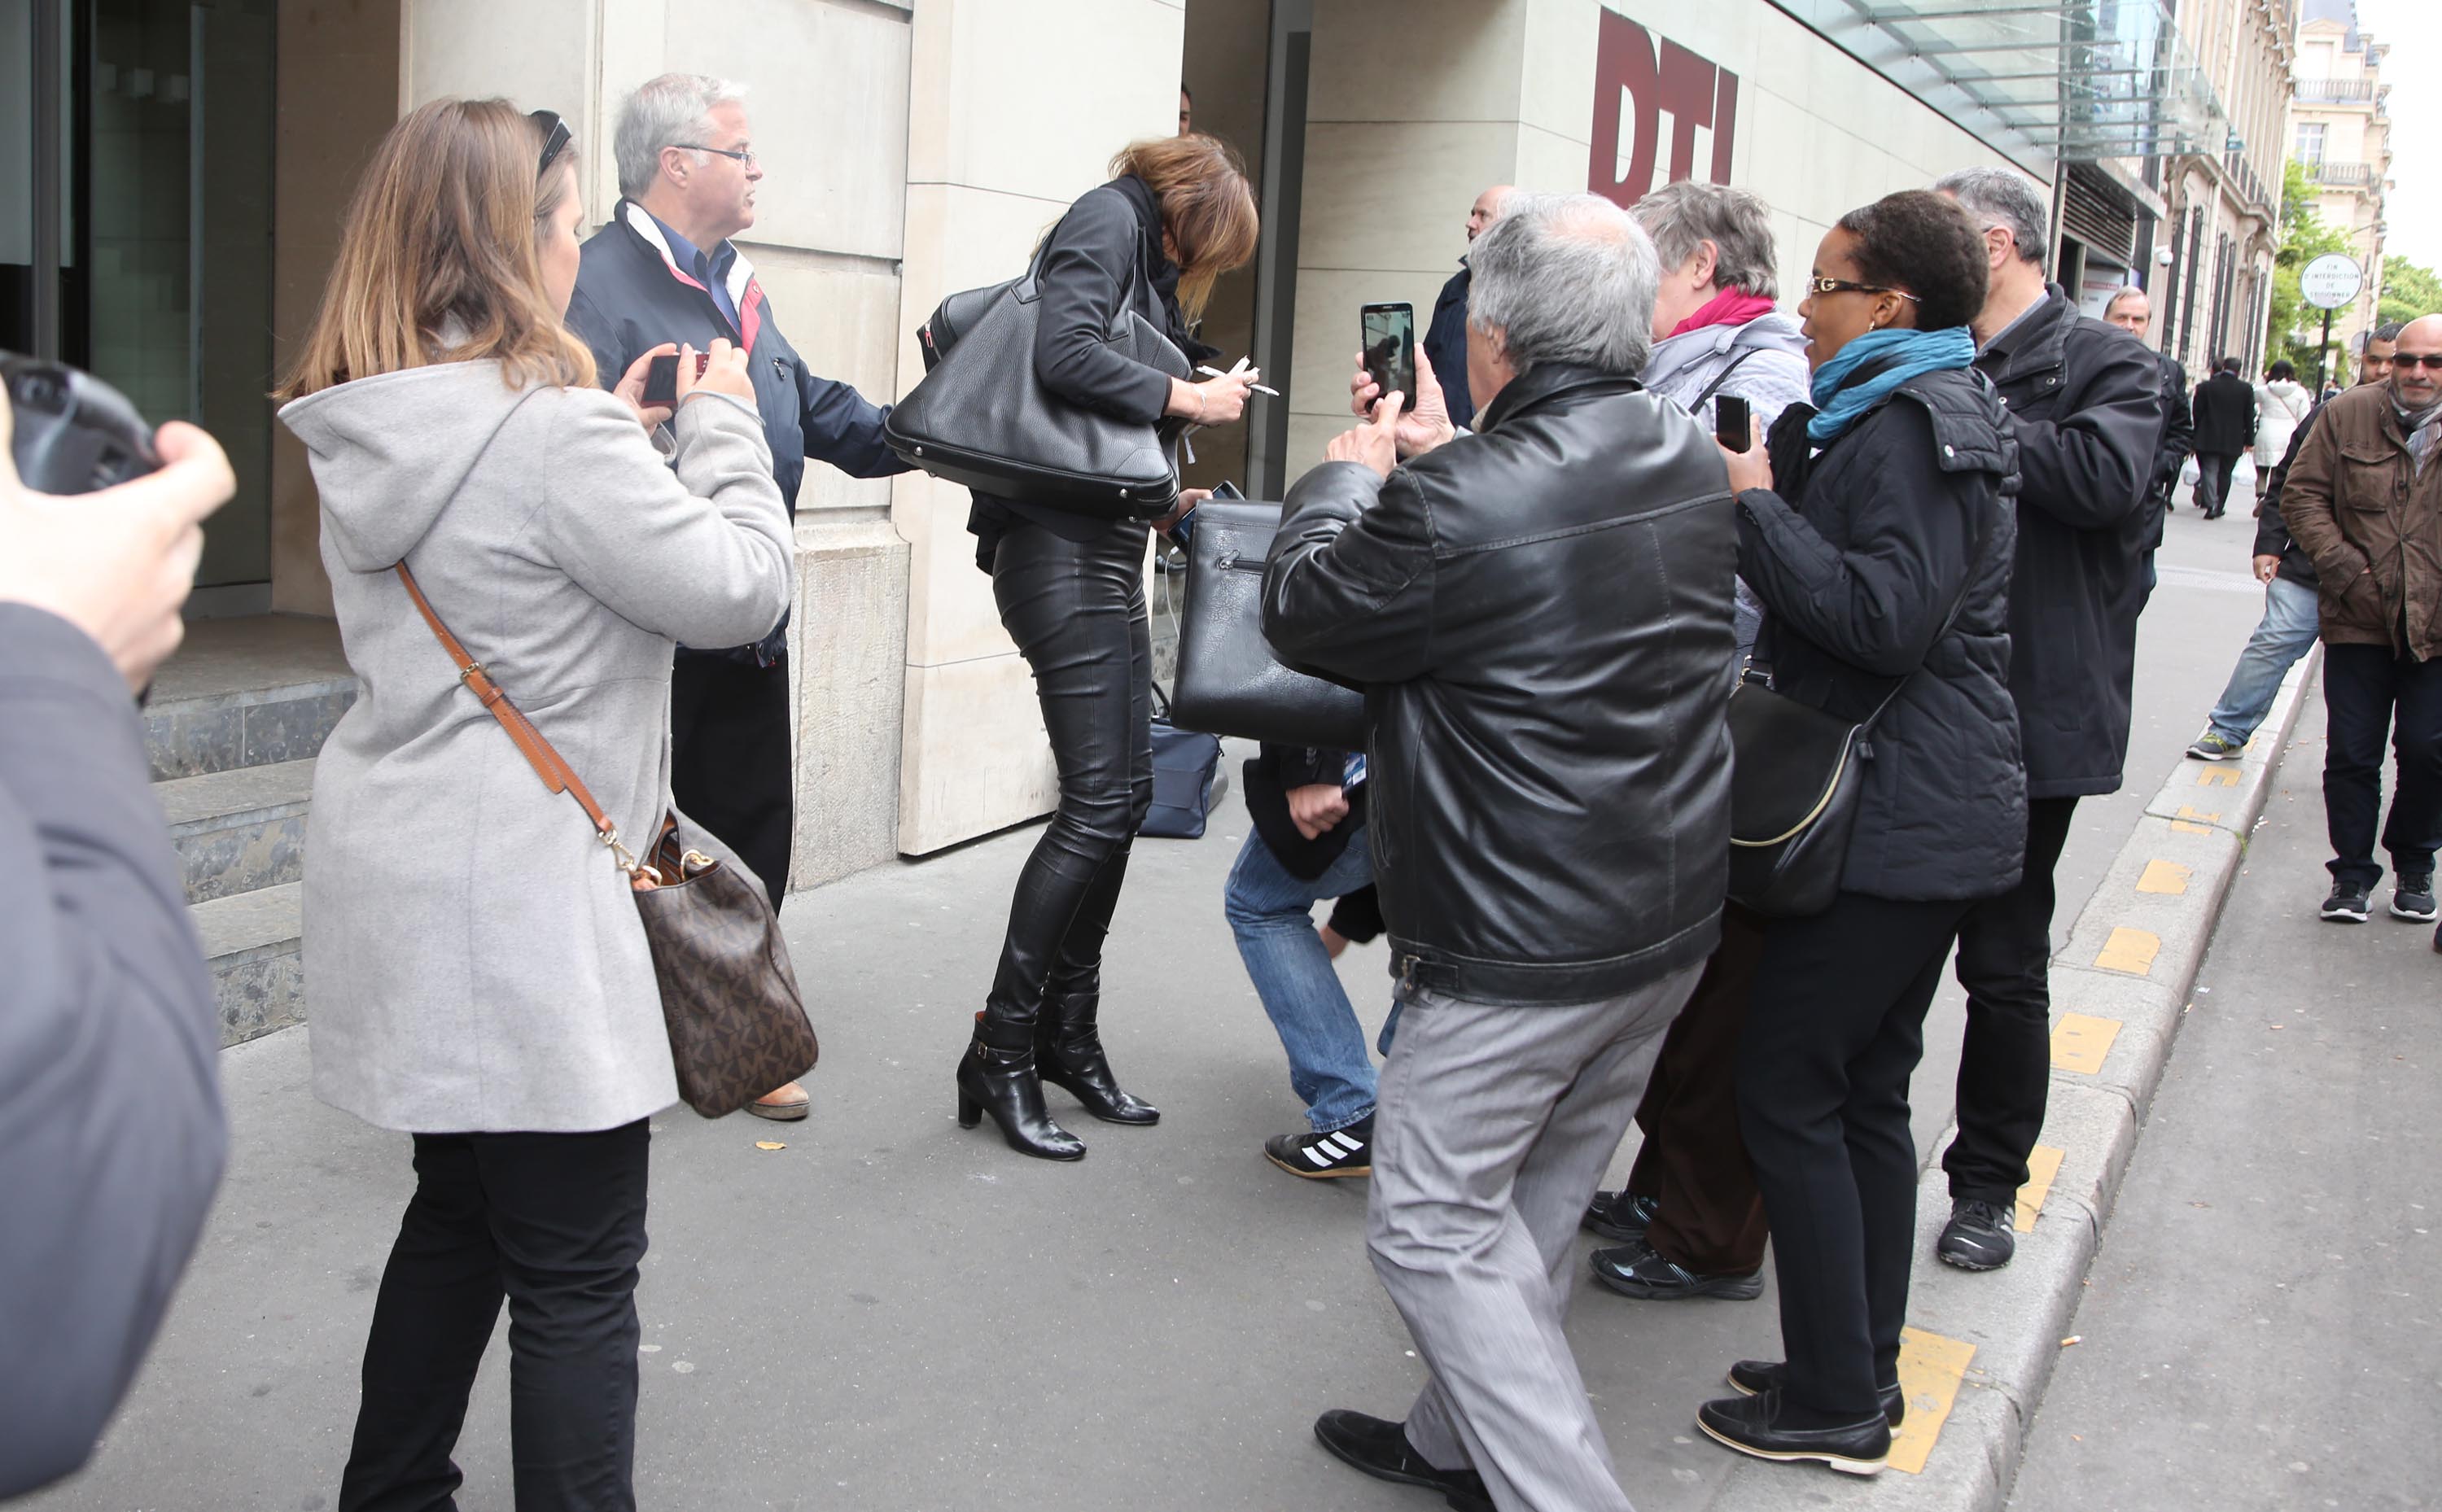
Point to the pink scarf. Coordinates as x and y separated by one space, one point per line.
1729 307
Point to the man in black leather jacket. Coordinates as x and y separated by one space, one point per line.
2085 407
1540 614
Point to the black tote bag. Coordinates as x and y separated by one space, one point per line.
1229 680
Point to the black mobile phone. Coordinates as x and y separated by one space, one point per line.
662 381
1731 424
75 434
1390 348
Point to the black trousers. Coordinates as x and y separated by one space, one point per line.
2005 1062
555 1223
1693 1162
2370 691
730 765
2213 479
1834 1029
1077 611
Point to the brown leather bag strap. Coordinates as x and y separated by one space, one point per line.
554 771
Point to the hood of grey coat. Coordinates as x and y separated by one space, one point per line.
390 452
1771 332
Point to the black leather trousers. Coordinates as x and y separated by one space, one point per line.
1077 611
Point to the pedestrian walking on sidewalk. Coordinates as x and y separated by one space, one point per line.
2365 502
1176 214
2133 312
2226 423
2086 410
1535 610
2281 405
477 973
2287 574
1877 530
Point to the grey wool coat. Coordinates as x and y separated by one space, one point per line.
473 959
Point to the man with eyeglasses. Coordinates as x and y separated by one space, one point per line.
2364 499
2086 409
665 269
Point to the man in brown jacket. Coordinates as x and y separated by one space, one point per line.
2364 499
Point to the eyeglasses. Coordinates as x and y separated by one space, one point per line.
555 138
1844 286
745 155
2429 360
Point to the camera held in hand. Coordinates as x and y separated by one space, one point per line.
75 434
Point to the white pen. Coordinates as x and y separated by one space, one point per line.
1217 372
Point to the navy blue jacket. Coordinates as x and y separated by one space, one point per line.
631 297
1446 346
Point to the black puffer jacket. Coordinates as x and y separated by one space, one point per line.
1540 614
1898 517
2086 408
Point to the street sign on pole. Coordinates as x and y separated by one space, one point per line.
2331 281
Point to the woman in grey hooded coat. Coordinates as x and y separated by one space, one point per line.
476 973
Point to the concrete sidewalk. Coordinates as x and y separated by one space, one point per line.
892 1313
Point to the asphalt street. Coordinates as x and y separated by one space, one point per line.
891 1313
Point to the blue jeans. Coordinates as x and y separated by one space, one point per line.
1272 913
2281 637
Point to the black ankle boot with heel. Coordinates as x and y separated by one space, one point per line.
997 1075
1068 1053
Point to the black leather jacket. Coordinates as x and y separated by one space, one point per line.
1540 614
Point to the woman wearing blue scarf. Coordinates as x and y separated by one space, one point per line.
1877 529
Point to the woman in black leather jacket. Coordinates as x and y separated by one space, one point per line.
1867 522
1177 214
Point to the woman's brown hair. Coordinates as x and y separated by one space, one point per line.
438 257
1207 206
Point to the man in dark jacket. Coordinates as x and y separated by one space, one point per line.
664 270
2085 407
2225 424
2289 622
1446 337
1541 613
109 1005
2133 312
2364 499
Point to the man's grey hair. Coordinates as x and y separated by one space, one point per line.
1682 216
1998 197
2124 291
669 111
1566 278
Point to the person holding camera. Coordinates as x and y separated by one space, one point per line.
1176 214
1877 531
476 973
109 1004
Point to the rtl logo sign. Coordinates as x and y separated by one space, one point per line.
1668 82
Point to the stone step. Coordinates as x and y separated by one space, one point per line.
247 692
239 829
252 940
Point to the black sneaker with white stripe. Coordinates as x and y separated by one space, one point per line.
1347 1151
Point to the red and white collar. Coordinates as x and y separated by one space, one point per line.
745 291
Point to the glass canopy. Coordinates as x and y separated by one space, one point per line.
2072 80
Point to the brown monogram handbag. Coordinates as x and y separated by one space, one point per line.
729 997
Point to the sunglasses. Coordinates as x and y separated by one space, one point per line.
1844 286
555 138
2429 360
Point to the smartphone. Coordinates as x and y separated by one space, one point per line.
662 378
1182 529
1731 424
1390 348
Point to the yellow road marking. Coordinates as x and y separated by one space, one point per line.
2129 950
1930 1369
2043 1164
2165 877
2080 1040
2203 821
2225 776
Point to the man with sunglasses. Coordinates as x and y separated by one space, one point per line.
2364 499
665 269
2086 409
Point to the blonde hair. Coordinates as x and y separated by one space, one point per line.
1207 206
444 234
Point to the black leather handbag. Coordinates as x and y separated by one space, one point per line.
982 418
1229 680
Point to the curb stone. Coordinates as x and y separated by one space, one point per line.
2016 1318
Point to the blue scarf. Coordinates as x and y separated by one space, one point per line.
1896 356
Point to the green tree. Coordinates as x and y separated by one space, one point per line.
2294 327
2408 291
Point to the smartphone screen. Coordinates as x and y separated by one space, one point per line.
662 381
1390 348
1731 425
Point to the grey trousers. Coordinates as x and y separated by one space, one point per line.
1494 1126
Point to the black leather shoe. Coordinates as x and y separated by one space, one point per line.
1620 1217
1068 1053
1978 1236
1753 1378
1638 1270
1381 1450
1751 1426
997 1076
